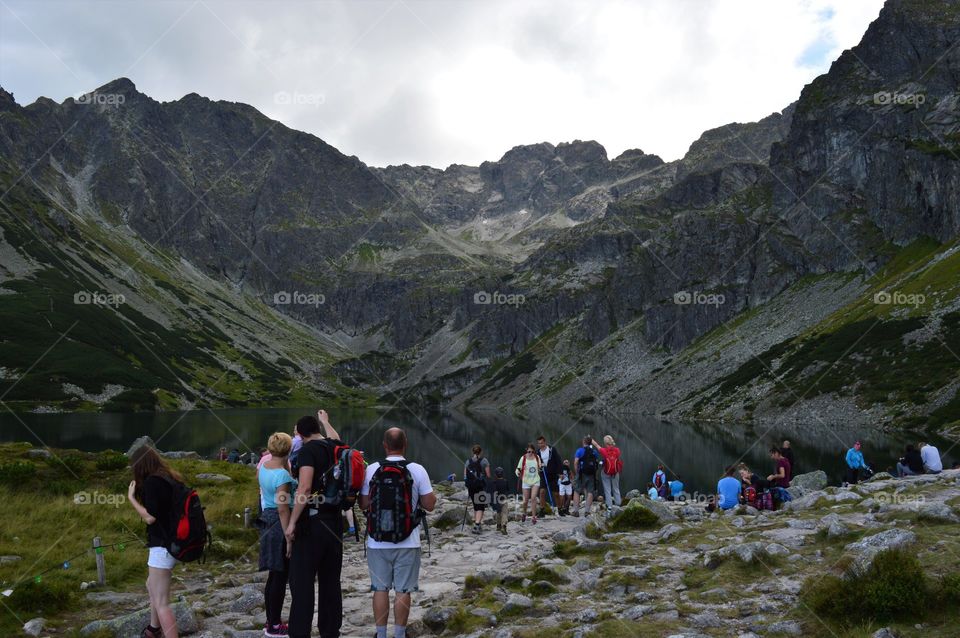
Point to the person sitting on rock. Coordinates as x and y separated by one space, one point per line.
676 490
652 492
728 491
932 463
911 463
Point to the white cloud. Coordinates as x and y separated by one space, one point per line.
438 83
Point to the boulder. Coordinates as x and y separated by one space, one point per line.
139 443
34 627
663 511
789 627
846 496
668 532
131 624
516 603
250 598
809 482
216 478
637 612
880 476
867 548
632 494
437 618
39 453
180 454
885 632
449 518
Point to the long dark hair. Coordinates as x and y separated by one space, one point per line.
145 462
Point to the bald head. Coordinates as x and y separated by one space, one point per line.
395 441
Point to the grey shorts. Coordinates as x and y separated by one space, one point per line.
396 569
586 484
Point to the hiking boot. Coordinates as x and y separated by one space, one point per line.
563 512
523 518
503 530
151 632
534 520
477 529
275 631
575 513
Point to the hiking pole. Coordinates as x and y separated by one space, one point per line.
466 508
549 491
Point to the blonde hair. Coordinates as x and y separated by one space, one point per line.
279 444
608 441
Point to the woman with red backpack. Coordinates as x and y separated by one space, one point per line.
610 474
151 495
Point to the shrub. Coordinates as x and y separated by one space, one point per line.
47 596
69 464
111 461
894 587
949 589
542 573
17 472
633 518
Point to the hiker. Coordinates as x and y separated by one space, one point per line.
314 532
855 464
911 463
676 490
787 453
612 468
151 495
551 465
395 494
234 456
528 471
351 523
932 463
660 481
276 503
728 491
222 455
564 488
476 474
652 492
295 450
782 472
586 464
500 500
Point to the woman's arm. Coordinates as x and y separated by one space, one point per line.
282 497
324 419
140 509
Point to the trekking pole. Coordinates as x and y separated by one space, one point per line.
549 491
464 523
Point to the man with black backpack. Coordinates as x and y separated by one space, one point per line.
586 464
315 533
395 495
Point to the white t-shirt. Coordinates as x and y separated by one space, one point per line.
931 458
421 487
545 455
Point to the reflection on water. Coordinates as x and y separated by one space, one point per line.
442 441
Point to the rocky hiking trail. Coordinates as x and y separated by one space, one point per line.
674 571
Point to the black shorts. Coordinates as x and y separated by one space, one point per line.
480 499
552 481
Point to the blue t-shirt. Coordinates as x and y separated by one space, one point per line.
652 493
676 488
270 481
729 490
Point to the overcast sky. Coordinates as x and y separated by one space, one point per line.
450 81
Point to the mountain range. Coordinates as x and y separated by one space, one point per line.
195 253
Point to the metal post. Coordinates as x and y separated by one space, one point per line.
246 517
101 564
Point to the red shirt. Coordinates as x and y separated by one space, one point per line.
787 473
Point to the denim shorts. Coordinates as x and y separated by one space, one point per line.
160 558
396 569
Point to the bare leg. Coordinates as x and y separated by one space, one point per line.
158 585
381 607
401 609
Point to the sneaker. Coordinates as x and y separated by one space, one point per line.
523 518
575 513
534 520
152 632
503 530
563 512
275 631
477 529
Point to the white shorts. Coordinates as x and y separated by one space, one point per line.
564 490
160 558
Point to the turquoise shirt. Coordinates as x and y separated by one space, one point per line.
855 459
270 481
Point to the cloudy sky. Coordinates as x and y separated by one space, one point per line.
447 81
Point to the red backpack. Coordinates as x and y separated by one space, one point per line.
347 475
613 464
187 534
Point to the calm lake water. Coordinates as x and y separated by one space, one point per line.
441 441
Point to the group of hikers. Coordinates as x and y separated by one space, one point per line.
310 482
544 477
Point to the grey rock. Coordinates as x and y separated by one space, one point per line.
885 632
810 482
140 442
516 603
250 598
131 624
34 627
668 532
180 454
216 478
637 611
706 620
39 453
9 559
588 615
437 618
789 627
868 547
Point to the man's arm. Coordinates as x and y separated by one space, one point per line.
328 430
300 503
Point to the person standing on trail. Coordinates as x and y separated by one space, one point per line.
783 472
586 464
395 495
855 464
528 471
787 452
612 468
151 495
564 488
500 500
314 534
276 502
476 476
551 466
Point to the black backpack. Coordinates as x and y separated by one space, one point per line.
392 517
474 478
186 531
589 461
